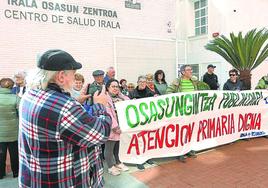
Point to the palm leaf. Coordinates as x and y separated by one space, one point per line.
243 53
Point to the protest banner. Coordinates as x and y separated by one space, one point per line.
174 124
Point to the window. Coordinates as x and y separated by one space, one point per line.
195 68
201 18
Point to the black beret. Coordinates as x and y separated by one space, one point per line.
98 73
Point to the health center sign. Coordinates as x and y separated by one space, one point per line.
174 124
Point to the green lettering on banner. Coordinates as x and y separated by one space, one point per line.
208 103
187 104
169 114
143 106
196 99
188 108
161 103
154 112
130 124
212 101
179 106
201 97
230 100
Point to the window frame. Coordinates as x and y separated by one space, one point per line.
200 21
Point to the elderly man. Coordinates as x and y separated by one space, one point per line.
97 85
58 140
109 75
19 87
187 82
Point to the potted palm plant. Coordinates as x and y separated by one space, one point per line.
244 53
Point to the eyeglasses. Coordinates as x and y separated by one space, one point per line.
143 82
114 86
232 74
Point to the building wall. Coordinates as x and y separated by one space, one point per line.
223 17
21 40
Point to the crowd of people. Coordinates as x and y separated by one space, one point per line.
68 128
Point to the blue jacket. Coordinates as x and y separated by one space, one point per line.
237 86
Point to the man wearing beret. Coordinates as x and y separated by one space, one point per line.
97 85
58 140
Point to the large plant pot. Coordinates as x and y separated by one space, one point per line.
245 77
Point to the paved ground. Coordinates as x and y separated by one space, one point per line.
242 164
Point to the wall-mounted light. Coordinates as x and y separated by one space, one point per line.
216 34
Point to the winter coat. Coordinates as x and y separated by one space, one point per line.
91 89
59 141
175 86
8 116
237 86
115 129
161 87
138 94
211 80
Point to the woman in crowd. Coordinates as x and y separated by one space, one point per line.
112 145
150 84
123 86
130 87
8 127
160 82
79 81
142 91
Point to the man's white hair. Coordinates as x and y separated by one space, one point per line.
141 77
110 68
40 78
21 74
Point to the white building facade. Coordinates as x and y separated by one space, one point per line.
198 20
135 36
